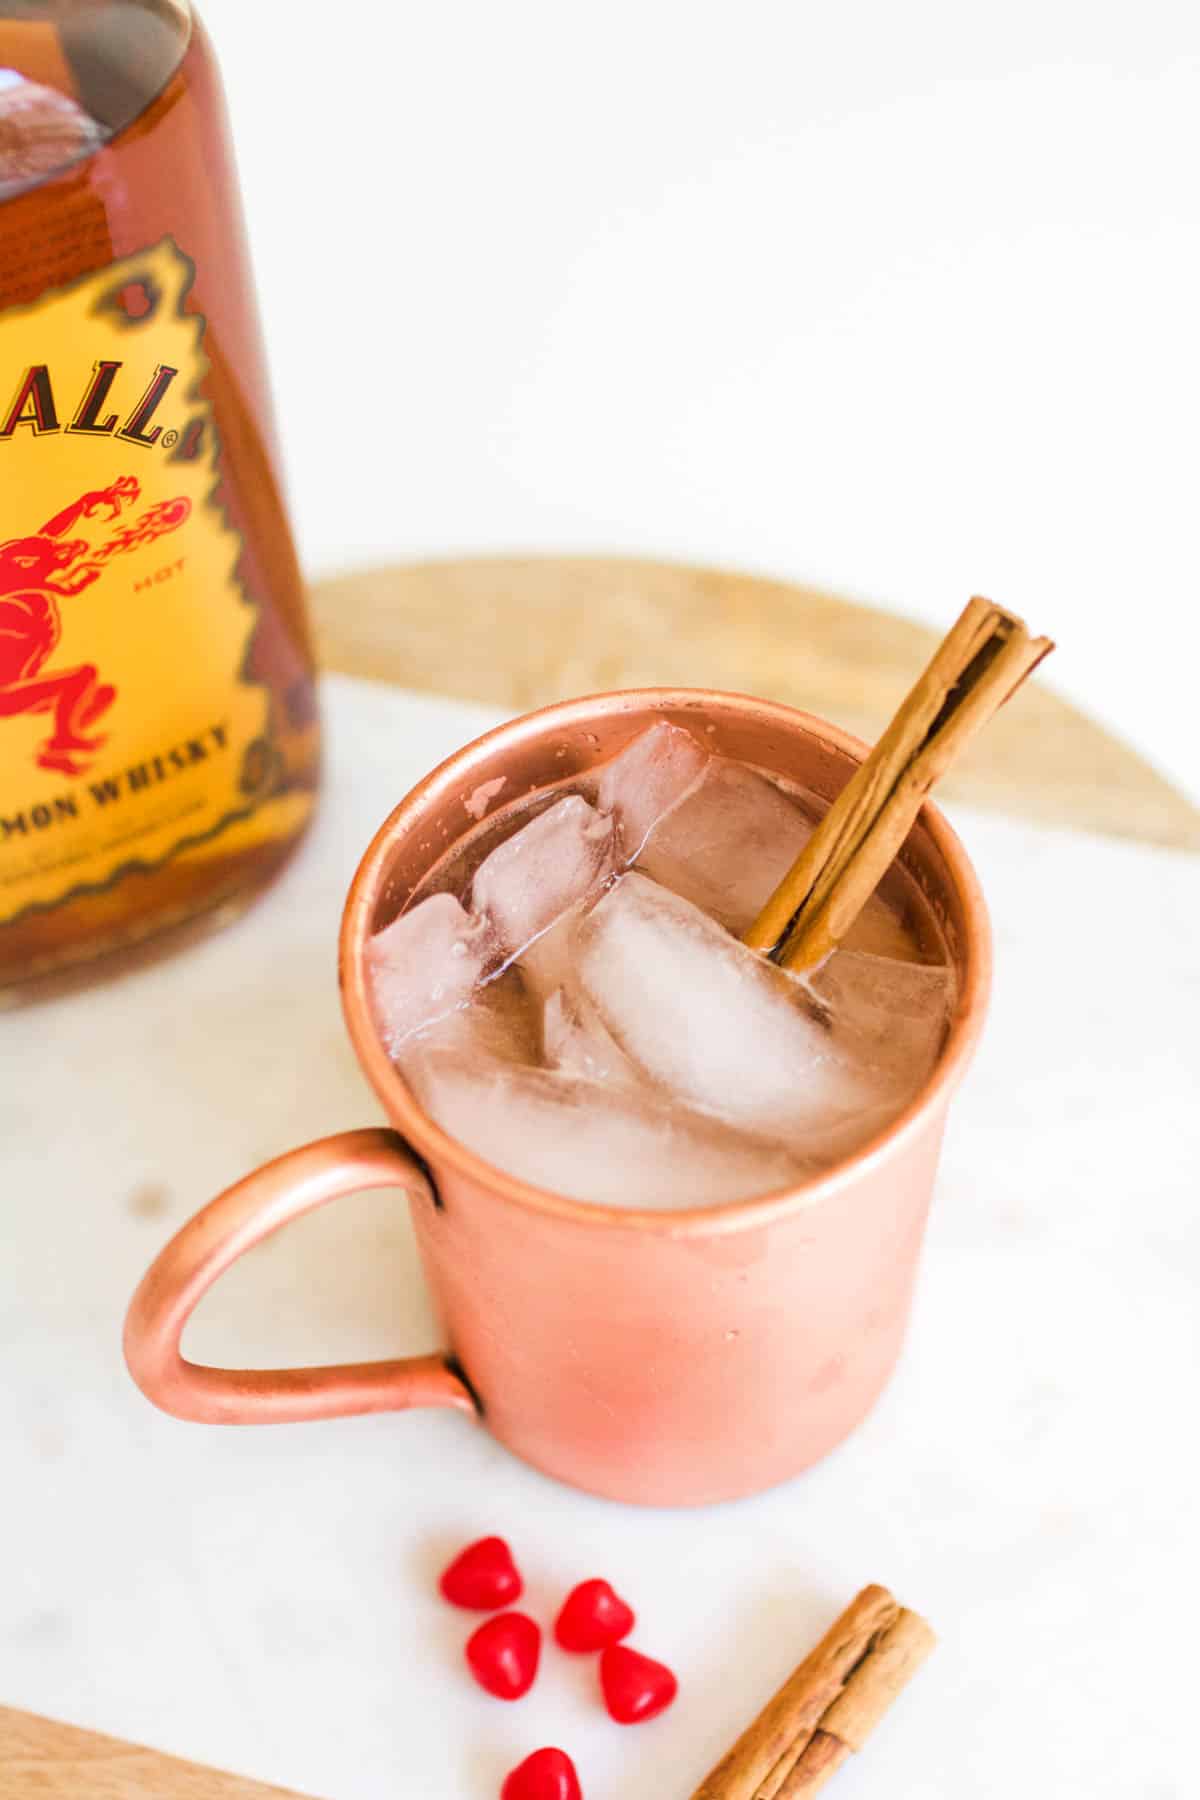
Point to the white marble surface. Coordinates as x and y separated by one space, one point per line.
264 1599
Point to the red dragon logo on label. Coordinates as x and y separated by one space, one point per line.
36 573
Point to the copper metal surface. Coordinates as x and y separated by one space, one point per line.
669 1357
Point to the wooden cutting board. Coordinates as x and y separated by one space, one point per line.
519 632
40 1760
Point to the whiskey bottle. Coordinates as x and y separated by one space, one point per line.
158 726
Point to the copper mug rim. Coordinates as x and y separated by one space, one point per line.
973 960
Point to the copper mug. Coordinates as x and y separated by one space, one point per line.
665 1357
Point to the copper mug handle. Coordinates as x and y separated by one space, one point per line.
234 1222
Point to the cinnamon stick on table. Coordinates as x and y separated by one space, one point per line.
828 1707
980 664
756 1767
845 1726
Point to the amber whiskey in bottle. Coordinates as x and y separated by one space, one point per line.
158 726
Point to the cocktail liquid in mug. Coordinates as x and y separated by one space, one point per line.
567 994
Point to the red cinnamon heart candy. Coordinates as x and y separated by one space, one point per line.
635 1687
546 1775
592 1617
482 1577
503 1654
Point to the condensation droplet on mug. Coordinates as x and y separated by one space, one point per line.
477 802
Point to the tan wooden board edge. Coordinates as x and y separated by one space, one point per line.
519 632
57 1762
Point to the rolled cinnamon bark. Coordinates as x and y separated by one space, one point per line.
980 664
848 1722
756 1767
823 1757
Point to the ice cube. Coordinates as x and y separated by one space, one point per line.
711 1021
888 1016
880 931
575 1041
424 965
824 1142
546 964
502 1024
650 775
728 843
580 1138
561 857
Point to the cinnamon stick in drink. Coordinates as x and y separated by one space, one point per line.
983 660
758 1764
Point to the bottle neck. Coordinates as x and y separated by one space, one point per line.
75 73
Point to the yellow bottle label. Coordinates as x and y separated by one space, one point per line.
129 732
